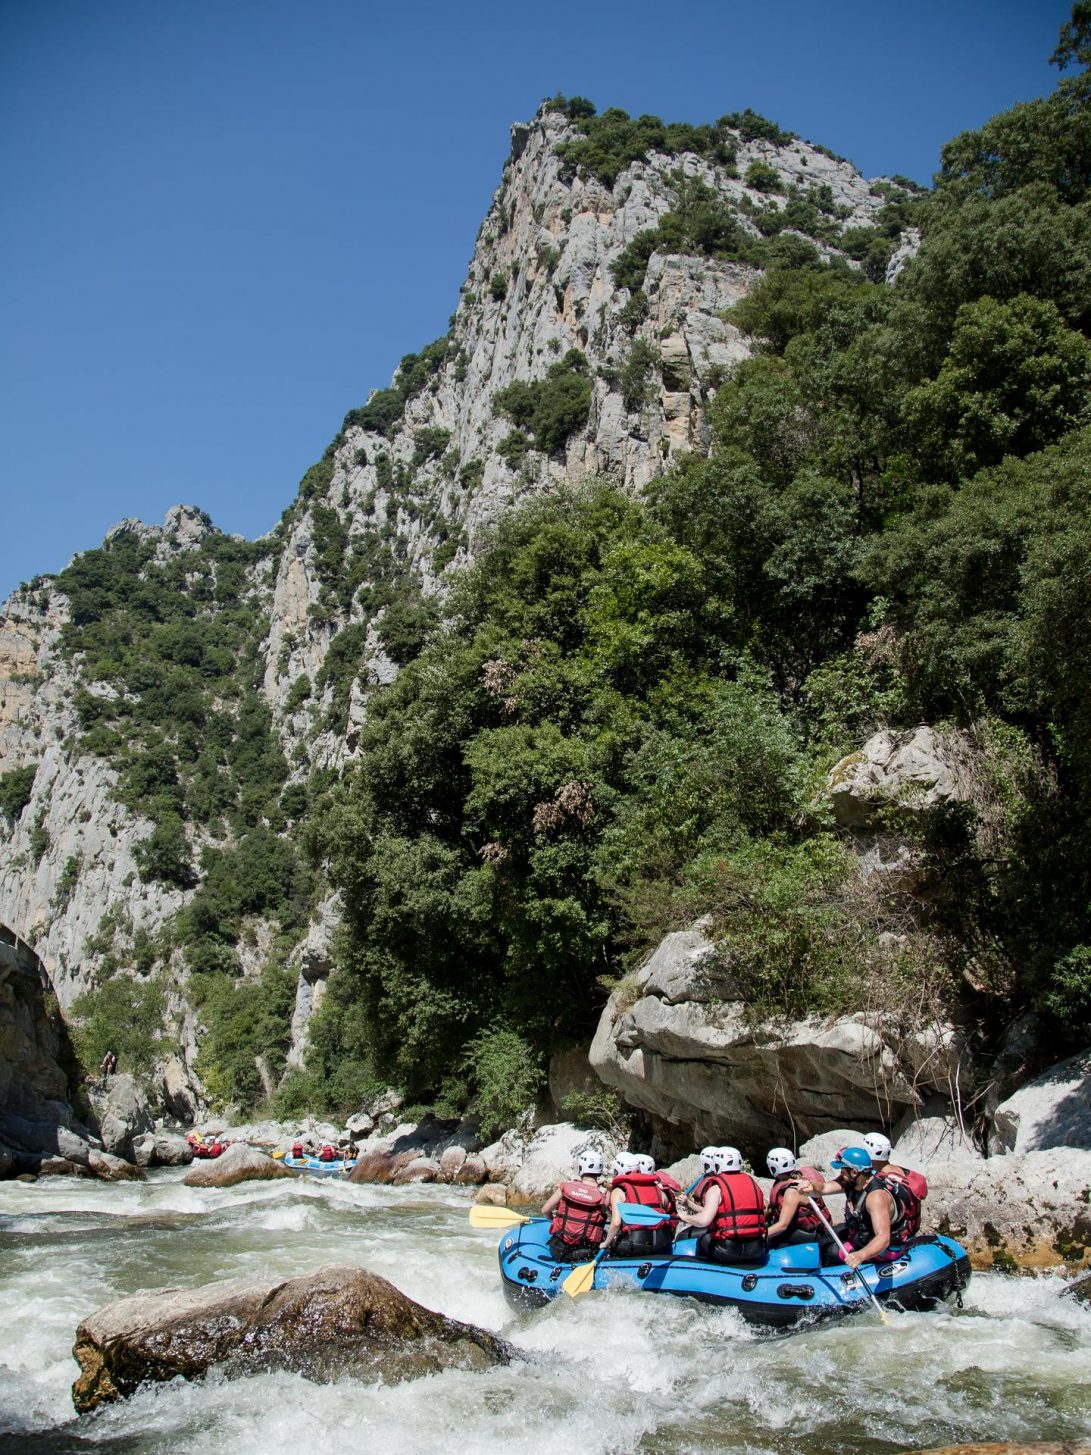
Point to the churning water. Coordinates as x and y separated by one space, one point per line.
615 1372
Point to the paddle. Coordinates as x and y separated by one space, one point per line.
482 1215
844 1252
633 1215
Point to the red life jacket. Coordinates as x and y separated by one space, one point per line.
644 1188
806 1219
741 1213
297 1149
670 1190
580 1216
705 1182
327 1154
914 1189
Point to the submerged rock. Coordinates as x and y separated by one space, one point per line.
237 1164
1006 1449
334 1322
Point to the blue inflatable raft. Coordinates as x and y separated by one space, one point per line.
318 1168
788 1289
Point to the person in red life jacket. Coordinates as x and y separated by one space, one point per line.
668 1186
633 1182
327 1153
694 1195
791 1217
578 1210
875 1225
914 1185
731 1215
297 1149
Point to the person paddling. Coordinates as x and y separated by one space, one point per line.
632 1182
578 1210
875 1222
731 1215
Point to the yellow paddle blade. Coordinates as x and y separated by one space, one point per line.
580 1280
484 1216
277 1156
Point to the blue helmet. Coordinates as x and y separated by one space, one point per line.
852 1159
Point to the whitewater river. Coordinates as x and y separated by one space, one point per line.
606 1373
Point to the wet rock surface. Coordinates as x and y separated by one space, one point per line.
334 1322
1065 1448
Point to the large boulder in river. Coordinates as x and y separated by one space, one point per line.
123 1114
676 1040
1053 1110
108 1168
333 1323
238 1164
550 1157
172 1150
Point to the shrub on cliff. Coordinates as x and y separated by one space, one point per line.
551 409
16 786
125 1016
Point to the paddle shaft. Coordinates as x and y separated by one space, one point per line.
844 1253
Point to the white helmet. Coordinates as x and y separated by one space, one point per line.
728 1159
623 1162
644 1163
589 1164
708 1159
780 1160
878 1146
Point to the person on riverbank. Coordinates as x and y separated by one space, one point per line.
792 1218
874 1227
731 1216
636 1181
107 1067
578 1210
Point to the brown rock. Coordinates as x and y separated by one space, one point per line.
60 1167
494 1194
238 1164
375 1166
451 1161
472 1171
108 1168
417 1169
1063 1449
334 1322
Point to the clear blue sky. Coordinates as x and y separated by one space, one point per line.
226 222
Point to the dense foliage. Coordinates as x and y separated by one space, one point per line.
625 716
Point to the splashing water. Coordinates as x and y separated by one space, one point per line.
609 1373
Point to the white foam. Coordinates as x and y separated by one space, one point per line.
605 1373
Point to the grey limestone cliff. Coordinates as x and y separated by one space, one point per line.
425 490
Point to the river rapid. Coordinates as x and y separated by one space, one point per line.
616 1372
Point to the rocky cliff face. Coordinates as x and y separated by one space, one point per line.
401 504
